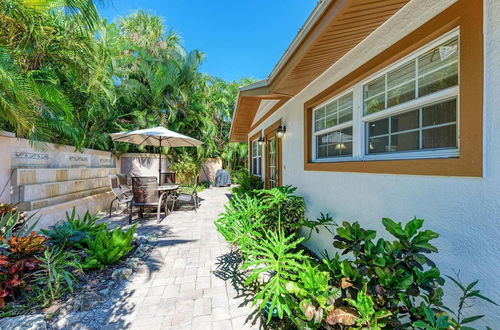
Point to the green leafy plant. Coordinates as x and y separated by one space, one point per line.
431 321
185 167
56 273
317 297
15 223
242 221
369 318
248 184
397 274
75 230
107 247
283 207
469 293
275 256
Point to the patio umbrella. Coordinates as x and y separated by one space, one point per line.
157 136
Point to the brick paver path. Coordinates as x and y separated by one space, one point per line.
188 281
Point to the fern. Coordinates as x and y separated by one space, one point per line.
108 247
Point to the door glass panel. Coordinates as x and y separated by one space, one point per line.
272 163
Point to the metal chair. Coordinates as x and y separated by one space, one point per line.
188 198
168 178
145 194
120 196
124 186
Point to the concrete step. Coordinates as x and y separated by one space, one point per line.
24 176
38 191
41 203
50 215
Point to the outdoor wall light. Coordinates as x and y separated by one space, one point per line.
260 141
280 131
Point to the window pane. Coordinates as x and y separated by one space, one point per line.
377 145
405 141
440 137
379 127
375 104
345 101
346 149
336 112
438 68
334 144
334 150
374 87
401 75
440 113
345 115
406 130
319 114
331 108
374 95
439 80
331 120
322 150
401 94
405 121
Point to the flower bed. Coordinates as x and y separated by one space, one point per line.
54 270
371 283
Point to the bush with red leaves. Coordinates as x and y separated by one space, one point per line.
17 264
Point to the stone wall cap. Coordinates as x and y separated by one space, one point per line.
7 134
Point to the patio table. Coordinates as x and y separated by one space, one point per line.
170 189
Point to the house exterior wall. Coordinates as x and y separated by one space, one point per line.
464 210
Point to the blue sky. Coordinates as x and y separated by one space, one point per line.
240 38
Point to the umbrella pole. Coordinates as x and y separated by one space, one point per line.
159 167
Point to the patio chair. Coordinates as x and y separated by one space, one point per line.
120 197
167 178
122 181
145 194
188 198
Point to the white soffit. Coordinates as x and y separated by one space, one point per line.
264 107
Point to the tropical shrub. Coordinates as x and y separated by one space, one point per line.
108 247
282 204
185 167
315 294
12 221
370 283
242 222
6 209
247 184
75 229
17 263
276 255
55 274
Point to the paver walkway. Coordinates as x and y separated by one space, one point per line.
188 282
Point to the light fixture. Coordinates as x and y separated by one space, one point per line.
280 131
260 141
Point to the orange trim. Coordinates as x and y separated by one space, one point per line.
469 16
270 132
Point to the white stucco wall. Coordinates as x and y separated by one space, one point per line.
465 211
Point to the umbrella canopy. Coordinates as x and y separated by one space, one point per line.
157 136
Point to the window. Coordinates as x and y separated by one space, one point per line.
256 158
333 127
409 110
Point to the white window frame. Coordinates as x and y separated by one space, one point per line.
258 157
359 120
337 127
